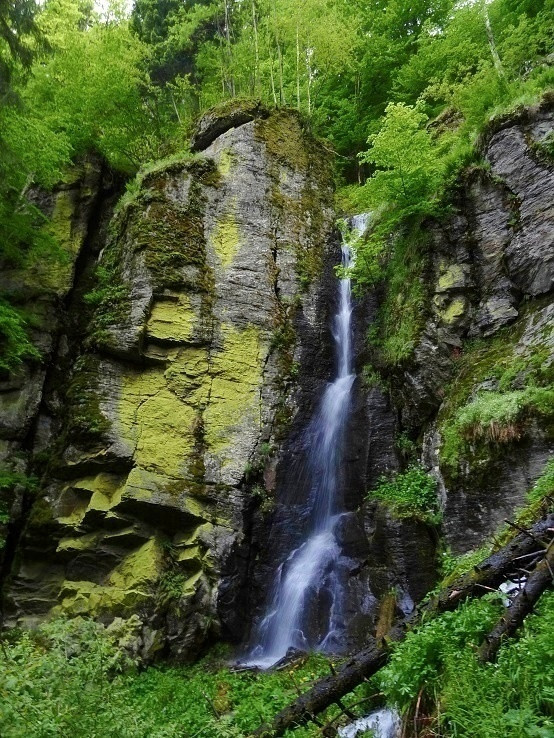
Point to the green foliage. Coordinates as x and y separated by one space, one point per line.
522 387
419 661
110 300
406 446
72 678
540 497
171 586
401 316
544 486
15 345
9 479
412 493
371 377
57 682
453 567
510 698
494 417
130 89
409 166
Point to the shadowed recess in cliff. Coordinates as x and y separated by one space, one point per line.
304 609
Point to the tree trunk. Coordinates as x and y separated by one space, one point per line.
256 48
297 69
492 45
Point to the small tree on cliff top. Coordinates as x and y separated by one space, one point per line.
409 165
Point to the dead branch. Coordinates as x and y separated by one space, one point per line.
514 615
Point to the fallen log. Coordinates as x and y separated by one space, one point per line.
487 575
524 603
330 689
492 570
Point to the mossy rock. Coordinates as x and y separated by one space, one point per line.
223 117
502 385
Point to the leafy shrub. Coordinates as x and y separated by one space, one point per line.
510 698
15 345
412 493
71 678
418 662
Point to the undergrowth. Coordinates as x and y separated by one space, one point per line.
71 678
437 666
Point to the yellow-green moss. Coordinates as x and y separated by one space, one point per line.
139 569
156 422
106 490
291 148
128 586
226 236
78 543
54 271
172 320
186 376
454 311
100 492
452 276
226 162
234 391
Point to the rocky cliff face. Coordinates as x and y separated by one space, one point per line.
478 387
156 414
185 341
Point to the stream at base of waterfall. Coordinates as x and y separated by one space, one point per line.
313 568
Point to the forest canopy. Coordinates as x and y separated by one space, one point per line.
379 79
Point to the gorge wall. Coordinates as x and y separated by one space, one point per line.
165 381
185 341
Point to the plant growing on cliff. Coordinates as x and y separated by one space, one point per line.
493 418
15 345
408 494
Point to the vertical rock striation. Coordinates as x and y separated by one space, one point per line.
487 337
181 386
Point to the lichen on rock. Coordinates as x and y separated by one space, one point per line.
178 384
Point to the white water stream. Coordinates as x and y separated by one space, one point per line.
313 567
385 723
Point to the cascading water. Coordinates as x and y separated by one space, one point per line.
314 567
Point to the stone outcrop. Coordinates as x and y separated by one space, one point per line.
185 344
487 332
180 387
42 288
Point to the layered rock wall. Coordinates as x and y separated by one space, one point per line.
180 388
478 388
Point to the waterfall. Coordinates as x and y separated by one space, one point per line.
314 567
